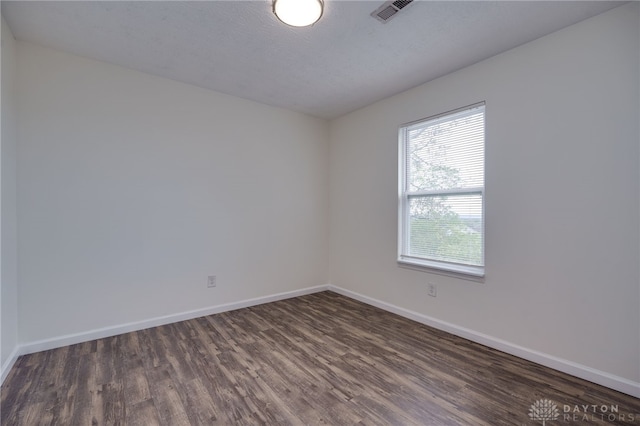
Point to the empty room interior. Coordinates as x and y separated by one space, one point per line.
395 213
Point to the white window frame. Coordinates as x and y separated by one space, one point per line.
438 266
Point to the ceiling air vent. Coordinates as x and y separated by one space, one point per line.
389 9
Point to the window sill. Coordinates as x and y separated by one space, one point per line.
473 273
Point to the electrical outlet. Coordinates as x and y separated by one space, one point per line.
433 290
211 281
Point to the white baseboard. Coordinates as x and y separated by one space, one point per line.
71 339
587 373
8 364
596 376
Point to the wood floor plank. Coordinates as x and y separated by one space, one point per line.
199 404
136 384
167 399
82 411
311 360
142 413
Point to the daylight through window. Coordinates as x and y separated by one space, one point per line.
442 192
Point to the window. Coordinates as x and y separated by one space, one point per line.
441 211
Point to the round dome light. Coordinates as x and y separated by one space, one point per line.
298 13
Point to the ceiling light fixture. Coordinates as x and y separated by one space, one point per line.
298 13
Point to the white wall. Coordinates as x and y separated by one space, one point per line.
562 197
132 189
8 224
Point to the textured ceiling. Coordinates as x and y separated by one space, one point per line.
345 61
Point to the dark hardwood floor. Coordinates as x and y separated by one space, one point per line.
317 359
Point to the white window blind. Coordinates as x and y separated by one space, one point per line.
442 191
